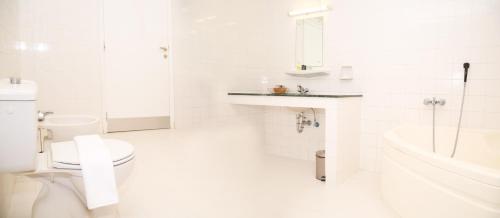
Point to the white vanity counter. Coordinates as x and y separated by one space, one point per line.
342 125
289 99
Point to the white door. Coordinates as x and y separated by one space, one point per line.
136 66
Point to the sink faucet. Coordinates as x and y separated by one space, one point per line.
302 90
42 115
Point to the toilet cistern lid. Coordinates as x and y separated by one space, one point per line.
67 152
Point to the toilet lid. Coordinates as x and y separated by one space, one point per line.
65 154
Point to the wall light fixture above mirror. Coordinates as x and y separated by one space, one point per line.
307 11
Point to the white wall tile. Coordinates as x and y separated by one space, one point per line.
401 52
10 65
63 53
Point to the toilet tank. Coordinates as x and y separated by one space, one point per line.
18 126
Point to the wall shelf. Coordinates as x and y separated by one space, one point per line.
308 73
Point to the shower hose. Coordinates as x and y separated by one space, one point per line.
455 145
459 122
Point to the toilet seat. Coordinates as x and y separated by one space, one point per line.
64 155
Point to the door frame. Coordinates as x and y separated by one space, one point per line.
103 67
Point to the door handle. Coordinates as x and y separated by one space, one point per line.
165 51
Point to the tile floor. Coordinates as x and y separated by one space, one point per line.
224 173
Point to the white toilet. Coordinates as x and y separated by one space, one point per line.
58 167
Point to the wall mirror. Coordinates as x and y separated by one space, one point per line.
309 42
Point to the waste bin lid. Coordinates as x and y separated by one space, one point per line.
320 153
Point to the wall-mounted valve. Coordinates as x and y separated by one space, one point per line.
434 101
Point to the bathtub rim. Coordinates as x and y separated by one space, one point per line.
469 170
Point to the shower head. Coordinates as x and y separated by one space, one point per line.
466 71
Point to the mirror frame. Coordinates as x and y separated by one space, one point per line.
296 44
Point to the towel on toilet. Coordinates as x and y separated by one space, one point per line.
97 171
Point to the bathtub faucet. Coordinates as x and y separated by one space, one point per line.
434 101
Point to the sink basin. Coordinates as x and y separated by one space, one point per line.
66 127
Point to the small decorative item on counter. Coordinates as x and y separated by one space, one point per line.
280 89
304 67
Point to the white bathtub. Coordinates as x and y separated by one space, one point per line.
417 183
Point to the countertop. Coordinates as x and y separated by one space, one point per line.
297 95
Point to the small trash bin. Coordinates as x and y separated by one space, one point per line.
320 165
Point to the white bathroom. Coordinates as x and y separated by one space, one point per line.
250 109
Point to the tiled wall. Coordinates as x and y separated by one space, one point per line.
415 50
9 66
243 45
9 35
282 138
211 55
401 51
57 44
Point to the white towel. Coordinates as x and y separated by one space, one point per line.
97 170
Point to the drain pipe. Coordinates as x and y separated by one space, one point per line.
302 120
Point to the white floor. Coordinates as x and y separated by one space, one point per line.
224 173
